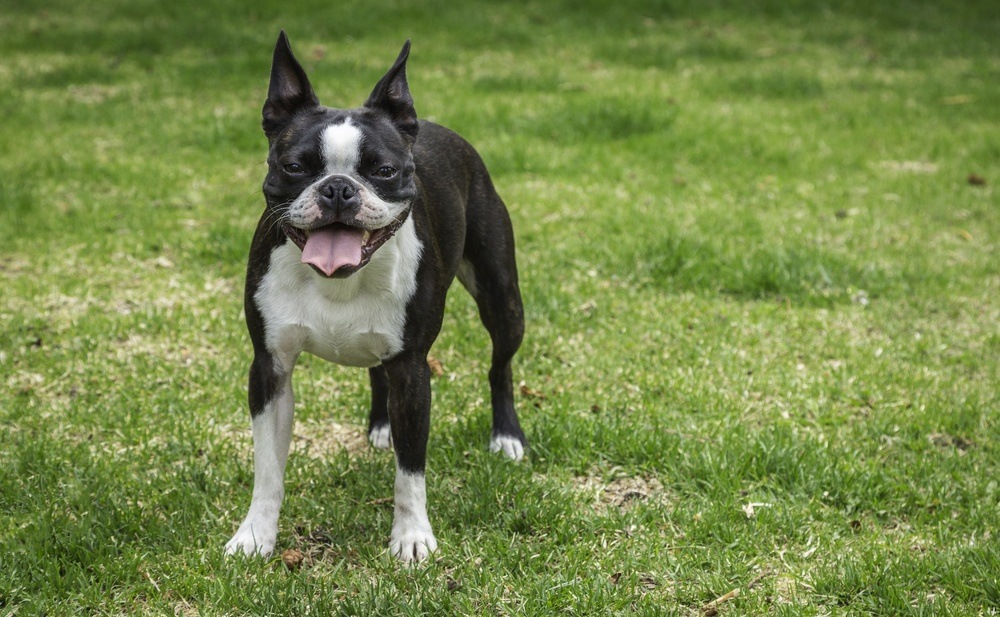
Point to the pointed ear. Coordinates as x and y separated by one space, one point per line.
392 97
289 91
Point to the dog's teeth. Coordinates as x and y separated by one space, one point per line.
365 236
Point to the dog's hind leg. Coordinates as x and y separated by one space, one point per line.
489 272
378 418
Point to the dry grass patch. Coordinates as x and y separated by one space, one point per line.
317 439
620 492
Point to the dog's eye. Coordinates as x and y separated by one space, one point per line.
385 171
294 168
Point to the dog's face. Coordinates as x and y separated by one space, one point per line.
339 181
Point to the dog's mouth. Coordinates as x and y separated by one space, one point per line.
339 250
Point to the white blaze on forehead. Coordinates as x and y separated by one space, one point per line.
341 145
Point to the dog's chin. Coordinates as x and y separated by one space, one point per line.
372 241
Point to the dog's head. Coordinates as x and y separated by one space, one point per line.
340 181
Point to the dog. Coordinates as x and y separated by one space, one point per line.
370 215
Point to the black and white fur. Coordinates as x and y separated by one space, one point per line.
424 205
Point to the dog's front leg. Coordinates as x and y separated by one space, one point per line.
409 420
271 406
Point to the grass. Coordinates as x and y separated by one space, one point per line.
761 280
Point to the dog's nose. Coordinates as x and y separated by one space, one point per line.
340 192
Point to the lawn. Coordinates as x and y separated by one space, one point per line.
758 252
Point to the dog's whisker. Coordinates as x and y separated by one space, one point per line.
277 215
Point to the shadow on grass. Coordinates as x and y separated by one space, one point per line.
776 85
578 118
801 274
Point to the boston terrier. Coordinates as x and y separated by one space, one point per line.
371 214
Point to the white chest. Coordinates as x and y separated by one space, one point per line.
356 321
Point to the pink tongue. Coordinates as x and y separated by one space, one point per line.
330 248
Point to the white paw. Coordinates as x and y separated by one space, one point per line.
381 437
510 446
253 539
412 544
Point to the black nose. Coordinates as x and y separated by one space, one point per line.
339 193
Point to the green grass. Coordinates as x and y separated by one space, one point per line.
754 267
